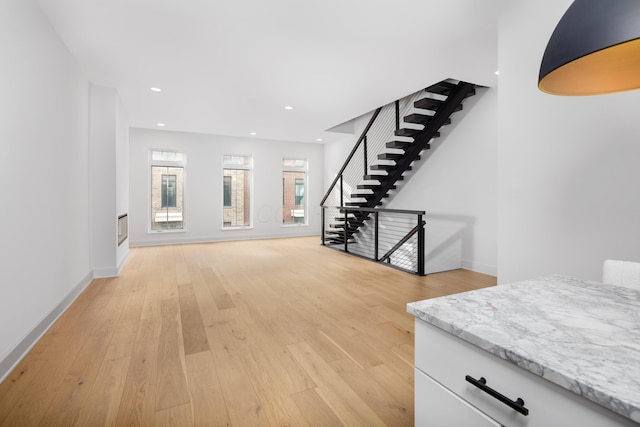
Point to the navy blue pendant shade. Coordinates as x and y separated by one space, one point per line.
595 49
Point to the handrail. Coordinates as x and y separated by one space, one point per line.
363 209
355 148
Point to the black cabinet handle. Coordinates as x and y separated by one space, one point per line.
517 404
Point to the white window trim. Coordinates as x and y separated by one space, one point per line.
304 169
167 163
251 181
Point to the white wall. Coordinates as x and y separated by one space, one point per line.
45 258
455 183
122 177
108 160
203 192
568 166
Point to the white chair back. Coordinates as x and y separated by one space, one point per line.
621 273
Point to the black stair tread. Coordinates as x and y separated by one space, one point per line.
398 144
417 118
373 196
373 186
403 145
382 167
422 119
361 204
428 103
445 88
441 88
407 132
376 177
432 104
392 156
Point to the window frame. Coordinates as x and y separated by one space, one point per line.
243 167
166 198
304 169
181 163
227 188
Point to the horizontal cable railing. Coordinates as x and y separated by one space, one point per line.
392 236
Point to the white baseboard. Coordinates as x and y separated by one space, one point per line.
478 267
9 362
123 262
102 273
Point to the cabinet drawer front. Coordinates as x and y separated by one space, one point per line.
438 406
448 360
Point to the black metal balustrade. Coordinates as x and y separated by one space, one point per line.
392 236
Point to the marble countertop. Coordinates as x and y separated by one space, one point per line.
583 336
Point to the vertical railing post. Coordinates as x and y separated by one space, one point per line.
365 155
344 230
420 246
322 215
375 238
341 193
397 115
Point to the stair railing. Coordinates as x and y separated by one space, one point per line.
379 130
393 236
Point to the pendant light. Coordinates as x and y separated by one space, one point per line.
595 49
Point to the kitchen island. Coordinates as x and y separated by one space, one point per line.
555 351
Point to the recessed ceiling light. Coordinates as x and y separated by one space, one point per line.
319 139
252 133
160 124
497 73
288 107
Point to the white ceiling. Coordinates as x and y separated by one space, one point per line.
229 67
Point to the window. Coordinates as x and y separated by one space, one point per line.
236 191
294 182
299 192
228 180
167 190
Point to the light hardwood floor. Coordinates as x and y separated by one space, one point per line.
268 332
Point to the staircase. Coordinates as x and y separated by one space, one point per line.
431 110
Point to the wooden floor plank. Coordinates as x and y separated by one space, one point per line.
207 399
317 412
103 404
175 416
343 400
265 332
390 409
138 396
171 382
193 334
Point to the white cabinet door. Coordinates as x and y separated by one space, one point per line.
435 405
448 359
